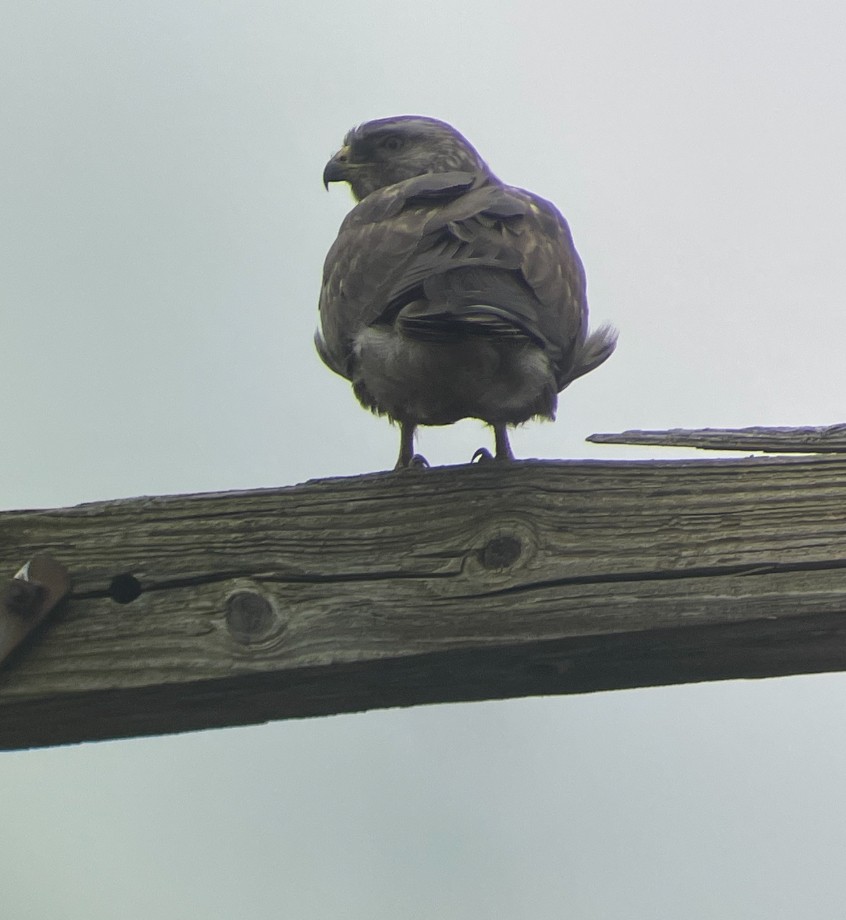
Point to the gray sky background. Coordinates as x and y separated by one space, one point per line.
162 235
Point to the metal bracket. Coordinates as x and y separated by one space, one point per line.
27 599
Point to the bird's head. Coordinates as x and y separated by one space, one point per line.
389 150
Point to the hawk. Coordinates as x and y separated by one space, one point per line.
448 294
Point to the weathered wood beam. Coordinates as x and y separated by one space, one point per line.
807 440
459 583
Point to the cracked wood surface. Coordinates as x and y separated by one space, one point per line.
806 440
427 586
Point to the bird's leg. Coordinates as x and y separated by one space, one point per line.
407 458
406 445
503 448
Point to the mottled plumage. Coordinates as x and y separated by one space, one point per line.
448 294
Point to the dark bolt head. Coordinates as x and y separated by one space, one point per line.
22 598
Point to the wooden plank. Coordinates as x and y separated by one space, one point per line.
806 440
426 586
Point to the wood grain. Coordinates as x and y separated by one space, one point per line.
425 586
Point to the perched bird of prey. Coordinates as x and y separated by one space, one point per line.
448 294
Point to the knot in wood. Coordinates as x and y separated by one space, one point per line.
501 552
250 617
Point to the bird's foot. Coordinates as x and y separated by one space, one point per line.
416 462
483 455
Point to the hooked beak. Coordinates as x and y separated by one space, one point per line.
337 168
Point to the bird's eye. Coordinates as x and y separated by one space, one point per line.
391 143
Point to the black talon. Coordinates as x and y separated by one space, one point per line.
482 455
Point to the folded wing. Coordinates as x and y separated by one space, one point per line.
449 255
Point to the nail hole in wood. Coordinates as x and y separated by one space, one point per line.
124 588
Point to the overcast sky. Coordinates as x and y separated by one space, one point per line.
162 234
